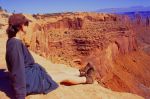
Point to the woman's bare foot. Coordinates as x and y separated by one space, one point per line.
84 70
90 76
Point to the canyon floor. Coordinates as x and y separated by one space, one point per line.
88 91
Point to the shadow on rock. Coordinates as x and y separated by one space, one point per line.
5 84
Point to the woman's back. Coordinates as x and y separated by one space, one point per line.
16 66
16 47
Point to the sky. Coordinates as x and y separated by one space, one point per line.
54 6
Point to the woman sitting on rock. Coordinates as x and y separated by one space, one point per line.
29 77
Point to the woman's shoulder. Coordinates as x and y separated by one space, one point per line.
13 41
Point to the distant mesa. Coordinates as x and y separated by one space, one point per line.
128 9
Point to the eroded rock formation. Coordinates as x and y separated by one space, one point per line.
80 34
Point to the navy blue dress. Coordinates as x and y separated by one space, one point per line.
27 76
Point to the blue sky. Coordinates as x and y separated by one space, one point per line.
53 6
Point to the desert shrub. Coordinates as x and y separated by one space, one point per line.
138 18
1 25
1 8
5 15
147 21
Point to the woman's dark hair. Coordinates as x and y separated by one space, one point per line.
12 30
15 24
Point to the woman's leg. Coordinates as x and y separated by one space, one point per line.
74 72
66 78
